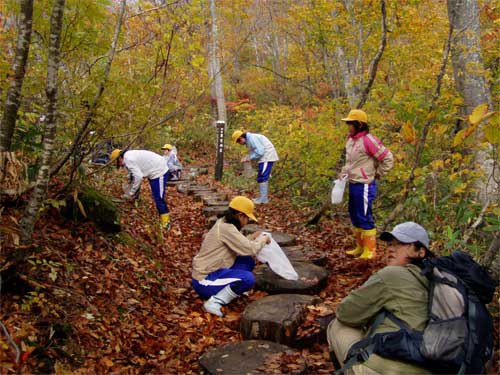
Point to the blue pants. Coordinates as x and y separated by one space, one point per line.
158 189
264 171
240 277
361 197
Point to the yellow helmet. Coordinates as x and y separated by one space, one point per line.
114 155
236 135
356 115
244 205
167 146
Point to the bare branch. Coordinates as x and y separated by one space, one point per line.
374 64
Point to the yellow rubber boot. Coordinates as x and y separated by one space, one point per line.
369 243
165 221
359 247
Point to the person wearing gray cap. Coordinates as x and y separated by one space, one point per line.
398 288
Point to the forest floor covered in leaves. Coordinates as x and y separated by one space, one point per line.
90 302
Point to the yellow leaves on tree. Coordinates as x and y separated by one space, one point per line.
478 115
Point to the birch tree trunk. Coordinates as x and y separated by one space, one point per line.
216 68
470 81
38 195
13 99
93 106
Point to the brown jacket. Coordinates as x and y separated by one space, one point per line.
220 247
366 156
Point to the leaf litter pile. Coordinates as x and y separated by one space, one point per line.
90 302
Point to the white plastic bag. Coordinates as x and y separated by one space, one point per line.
338 190
277 260
247 169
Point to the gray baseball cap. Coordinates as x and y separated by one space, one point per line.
408 232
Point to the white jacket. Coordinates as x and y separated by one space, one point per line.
143 163
260 148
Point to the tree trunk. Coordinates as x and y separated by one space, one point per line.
40 190
93 106
216 68
470 81
491 260
13 99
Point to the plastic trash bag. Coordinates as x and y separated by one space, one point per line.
277 260
338 190
247 169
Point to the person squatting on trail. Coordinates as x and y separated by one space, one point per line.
260 149
173 164
366 160
222 270
399 288
140 164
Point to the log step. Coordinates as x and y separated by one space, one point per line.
192 189
283 239
275 318
312 279
300 253
253 357
214 210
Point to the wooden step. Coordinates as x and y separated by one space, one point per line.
214 210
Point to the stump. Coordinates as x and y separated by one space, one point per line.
284 239
275 318
312 279
214 210
305 254
253 357
93 206
281 238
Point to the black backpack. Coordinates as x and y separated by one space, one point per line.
458 338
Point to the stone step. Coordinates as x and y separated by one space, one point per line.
275 318
300 253
253 357
312 279
214 210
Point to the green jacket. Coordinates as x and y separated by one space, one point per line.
400 290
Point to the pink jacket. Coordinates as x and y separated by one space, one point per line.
366 157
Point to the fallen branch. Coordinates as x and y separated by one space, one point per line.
478 221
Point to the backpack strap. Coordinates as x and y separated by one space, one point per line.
362 350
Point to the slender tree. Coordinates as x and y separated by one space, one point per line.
91 110
29 218
216 67
13 100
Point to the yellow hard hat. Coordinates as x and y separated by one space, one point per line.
236 135
356 115
115 154
244 205
167 146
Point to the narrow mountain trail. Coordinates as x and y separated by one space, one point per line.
96 302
